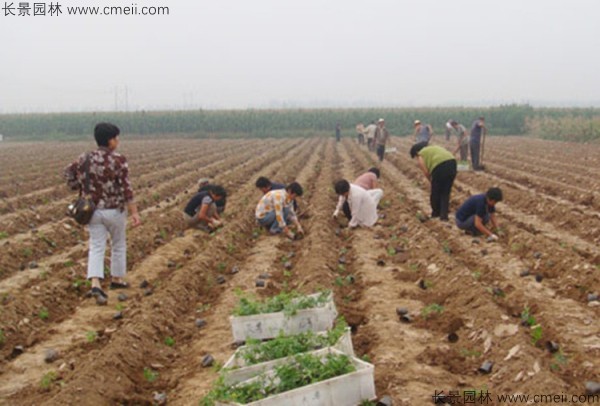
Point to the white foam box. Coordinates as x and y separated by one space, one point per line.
269 325
344 390
236 369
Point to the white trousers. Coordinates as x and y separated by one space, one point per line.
376 194
107 222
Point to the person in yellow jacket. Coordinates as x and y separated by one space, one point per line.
439 167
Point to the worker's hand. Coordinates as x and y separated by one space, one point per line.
492 238
289 234
335 214
299 229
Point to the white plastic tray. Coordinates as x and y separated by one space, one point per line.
269 325
244 372
345 390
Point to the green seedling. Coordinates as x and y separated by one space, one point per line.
339 281
169 341
341 268
43 314
446 247
48 379
163 234
230 248
366 358
559 361
413 267
150 375
536 334
2 337
344 250
386 204
476 275
221 266
367 402
287 302
3 235
391 251
26 252
430 309
91 336
156 196
287 273
527 317
203 308
68 264
106 271
120 307
284 259
43 275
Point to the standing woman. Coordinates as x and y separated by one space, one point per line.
439 166
110 189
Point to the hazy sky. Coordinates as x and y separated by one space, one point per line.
275 53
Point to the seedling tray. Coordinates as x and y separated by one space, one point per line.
344 390
242 371
269 325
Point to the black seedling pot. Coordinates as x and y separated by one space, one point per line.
486 367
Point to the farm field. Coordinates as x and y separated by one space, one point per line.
450 282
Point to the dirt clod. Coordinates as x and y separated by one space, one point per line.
288 265
122 297
380 262
33 265
592 297
144 284
592 388
221 279
552 347
385 401
422 284
453 337
264 276
260 283
17 350
342 260
539 277
537 255
200 323
484 252
401 311
171 264
476 241
234 270
51 355
118 316
207 361
486 367
148 291
101 300
525 273
160 399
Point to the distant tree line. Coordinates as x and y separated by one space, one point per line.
501 120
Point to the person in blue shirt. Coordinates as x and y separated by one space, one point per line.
479 210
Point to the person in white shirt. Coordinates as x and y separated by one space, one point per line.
362 204
370 134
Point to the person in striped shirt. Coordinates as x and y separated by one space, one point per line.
275 211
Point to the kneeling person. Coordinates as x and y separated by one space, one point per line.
477 211
201 211
275 210
360 206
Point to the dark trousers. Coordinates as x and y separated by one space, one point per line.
346 210
380 151
475 147
442 179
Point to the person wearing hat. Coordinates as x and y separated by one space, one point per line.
439 166
423 132
381 137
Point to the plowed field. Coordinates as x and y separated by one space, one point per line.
450 282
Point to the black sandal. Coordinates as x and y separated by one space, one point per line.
119 285
95 292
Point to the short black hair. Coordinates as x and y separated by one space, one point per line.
218 190
494 193
104 132
342 186
414 150
295 188
482 118
375 171
262 182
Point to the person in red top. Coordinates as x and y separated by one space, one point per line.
110 189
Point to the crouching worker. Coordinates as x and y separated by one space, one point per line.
359 205
201 211
477 211
205 185
275 210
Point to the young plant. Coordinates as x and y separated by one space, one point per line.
150 375
221 266
3 235
169 341
287 302
2 338
536 334
91 336
48 379
432 308
43 314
